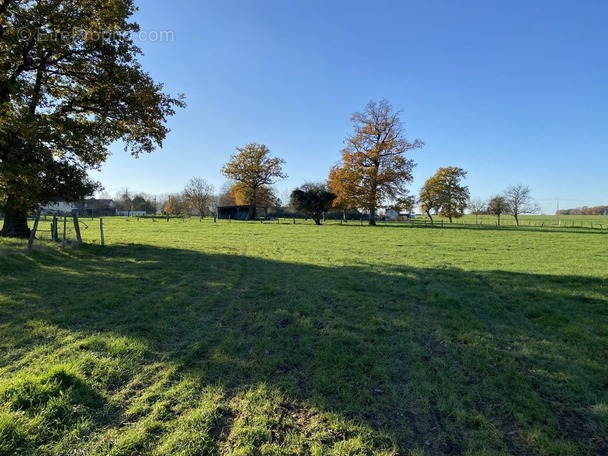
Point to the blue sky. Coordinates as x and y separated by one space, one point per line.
511 91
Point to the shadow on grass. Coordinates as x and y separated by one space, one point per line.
436 360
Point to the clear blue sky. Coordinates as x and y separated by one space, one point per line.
512 91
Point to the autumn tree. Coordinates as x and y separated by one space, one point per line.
266 197
520 201
341 182
199 195
255 171
70 86
225 196
374 169
313 199
175 205
498 205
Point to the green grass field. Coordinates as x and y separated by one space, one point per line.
202 338
563 221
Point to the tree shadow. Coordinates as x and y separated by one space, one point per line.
433 359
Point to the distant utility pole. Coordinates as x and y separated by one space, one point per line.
557 212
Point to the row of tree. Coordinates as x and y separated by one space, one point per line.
444 194
374 170
585 210
197 198
373 173
515 200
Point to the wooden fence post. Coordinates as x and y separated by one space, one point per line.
77 228
65 227
101 231
54 229
30 242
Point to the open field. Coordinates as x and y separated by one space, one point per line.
563 221
202 338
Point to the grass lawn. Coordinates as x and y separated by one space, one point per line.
202 338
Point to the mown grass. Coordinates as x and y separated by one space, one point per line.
190 338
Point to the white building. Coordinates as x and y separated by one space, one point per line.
58 208
391 215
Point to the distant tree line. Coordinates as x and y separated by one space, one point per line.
585 210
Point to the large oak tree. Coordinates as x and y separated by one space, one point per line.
374 166
255 171
70 86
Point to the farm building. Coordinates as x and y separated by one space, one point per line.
93 207
240 212
233 212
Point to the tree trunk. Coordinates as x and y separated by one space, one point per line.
430 216
372 216
254 202
317 220
516 219
15 222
